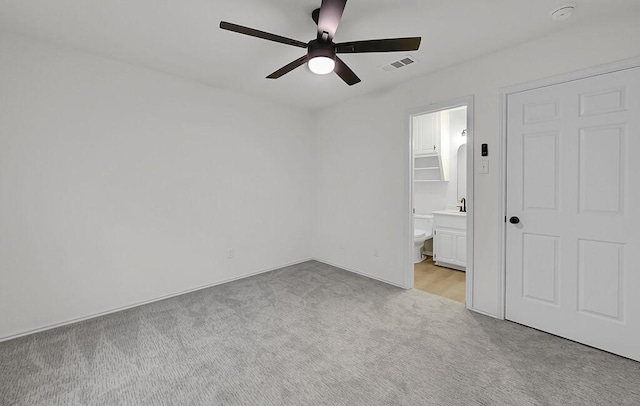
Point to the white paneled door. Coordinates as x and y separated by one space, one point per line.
573 210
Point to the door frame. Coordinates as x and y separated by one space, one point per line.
504 98
467 101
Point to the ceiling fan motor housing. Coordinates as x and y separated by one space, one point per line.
321 48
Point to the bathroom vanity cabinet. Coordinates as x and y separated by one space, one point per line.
450 239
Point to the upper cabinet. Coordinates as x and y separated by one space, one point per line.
426 134
431 139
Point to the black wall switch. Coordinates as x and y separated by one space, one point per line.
485 150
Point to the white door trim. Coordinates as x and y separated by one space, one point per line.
408 183
504 94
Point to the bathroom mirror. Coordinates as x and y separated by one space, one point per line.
462 171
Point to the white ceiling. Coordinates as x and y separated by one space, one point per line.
182 37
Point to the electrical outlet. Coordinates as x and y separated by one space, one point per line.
231 253
484 166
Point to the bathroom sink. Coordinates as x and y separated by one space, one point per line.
451 212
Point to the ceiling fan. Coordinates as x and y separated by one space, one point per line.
321 52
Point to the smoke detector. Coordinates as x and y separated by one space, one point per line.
562 13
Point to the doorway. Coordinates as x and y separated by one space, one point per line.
441 195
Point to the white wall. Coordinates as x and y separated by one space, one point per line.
120 185
432 196
361 201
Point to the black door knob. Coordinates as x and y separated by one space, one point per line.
514 220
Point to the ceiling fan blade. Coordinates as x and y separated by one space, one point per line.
345 72
379 45
261 34
329 18
288 68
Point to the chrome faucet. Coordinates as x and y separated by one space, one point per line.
463 208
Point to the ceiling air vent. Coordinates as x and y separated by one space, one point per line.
400 63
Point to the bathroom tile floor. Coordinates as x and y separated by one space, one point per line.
439 281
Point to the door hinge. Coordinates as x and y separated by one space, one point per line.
434 232
414 212
505 219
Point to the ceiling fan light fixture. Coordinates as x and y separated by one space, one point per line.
322 57
322 65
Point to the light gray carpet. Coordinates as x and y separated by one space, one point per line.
309 334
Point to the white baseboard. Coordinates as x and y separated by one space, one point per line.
482 312
118 309
360 273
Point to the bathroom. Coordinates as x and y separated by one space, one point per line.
439 201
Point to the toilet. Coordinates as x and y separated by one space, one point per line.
422 231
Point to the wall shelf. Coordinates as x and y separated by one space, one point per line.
427 168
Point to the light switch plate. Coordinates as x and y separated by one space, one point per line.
484 166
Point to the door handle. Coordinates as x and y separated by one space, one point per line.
514 220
